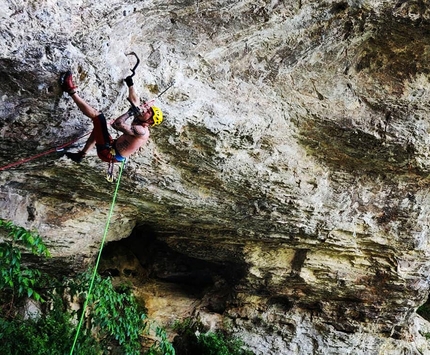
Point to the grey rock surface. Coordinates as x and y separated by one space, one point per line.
295 149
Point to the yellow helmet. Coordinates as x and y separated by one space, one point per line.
157 116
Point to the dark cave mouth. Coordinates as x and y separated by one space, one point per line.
144 257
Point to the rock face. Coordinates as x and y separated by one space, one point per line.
286 194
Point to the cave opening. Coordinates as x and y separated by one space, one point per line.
424 310
144 258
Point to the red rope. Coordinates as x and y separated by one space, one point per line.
25 160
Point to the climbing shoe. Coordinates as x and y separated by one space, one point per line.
67 84
76 157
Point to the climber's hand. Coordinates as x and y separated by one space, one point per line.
129 81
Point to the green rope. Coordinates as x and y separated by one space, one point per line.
98 260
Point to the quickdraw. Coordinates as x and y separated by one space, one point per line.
109 173
167 88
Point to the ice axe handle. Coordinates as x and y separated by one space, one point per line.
134 108
137 63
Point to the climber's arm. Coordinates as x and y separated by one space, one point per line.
132 95
132 130
119 124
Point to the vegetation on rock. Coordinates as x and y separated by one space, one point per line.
113 320
113 324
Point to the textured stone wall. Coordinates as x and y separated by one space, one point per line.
294 153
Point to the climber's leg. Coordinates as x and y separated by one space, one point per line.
67 84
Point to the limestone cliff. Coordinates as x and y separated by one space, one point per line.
286 193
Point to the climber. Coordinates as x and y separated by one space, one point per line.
134 135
